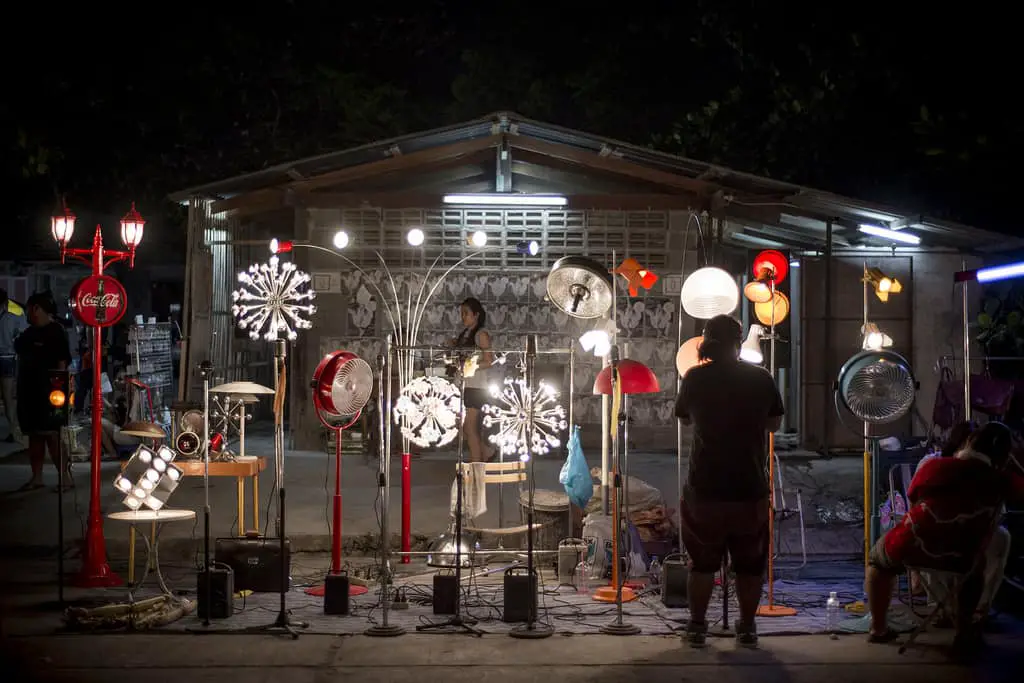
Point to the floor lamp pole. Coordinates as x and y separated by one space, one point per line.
206 370
771 609
283 622
531 629
621 592
385 629
457 621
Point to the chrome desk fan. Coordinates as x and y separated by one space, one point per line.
877 388
342 386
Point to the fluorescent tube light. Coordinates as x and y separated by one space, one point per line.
894 235
509 199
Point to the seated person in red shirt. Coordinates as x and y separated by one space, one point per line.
954 504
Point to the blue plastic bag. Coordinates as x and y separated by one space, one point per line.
575 475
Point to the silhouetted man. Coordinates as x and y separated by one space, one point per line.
732 406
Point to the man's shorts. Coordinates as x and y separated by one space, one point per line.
713 528
880 560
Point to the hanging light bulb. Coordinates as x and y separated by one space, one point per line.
709 292
750 352
341 239
874 338
479 239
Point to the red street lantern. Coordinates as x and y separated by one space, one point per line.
62 225
131 228
99 301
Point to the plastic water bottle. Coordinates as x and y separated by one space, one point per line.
654 571
832 611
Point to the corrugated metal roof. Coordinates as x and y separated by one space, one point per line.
802 211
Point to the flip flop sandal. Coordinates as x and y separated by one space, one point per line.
29 487
881 638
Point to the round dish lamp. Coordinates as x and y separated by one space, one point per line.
772 312
709 292
688 355
771 265
636 378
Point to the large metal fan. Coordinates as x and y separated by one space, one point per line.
342 386
877 387
580 287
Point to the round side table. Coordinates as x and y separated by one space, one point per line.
157 518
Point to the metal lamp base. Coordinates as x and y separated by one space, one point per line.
382 631
532 631
617 629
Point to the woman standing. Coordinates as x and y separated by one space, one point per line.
474 336
41 348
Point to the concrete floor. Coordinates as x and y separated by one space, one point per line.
453 659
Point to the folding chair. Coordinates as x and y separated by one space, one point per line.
944 586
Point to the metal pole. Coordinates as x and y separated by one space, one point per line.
967 348
383 480
827 323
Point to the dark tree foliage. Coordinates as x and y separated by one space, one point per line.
904 113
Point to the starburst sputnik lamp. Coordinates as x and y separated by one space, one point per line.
273 302
509 410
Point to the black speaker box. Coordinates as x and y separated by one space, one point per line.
674 574
520 595
222 593
336 594
256 562
445 593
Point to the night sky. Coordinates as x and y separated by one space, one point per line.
884 108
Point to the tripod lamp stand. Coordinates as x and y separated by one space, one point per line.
273 303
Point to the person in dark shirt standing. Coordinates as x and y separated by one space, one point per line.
41 348
732 407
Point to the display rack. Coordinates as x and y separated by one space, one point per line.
150 347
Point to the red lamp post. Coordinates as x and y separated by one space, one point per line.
98 307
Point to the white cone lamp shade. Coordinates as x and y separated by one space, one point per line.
709 292
751 352
688 355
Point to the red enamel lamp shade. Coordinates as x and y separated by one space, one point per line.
771 265
342 384
636 378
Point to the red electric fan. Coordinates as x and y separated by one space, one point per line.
342 385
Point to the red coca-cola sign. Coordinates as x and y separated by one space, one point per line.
99 301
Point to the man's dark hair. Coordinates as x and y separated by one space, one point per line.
958 436
995 440
43 300
723 336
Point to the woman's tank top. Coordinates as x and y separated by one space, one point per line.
479 379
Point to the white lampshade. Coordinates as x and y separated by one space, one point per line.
751 352
874 338
709 292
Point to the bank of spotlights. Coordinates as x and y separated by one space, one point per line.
415 237
599 339
874 338
341 239
532 248
148 478
751 352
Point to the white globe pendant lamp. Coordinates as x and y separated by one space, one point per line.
709 292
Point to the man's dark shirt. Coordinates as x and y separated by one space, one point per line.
40 350
729 404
